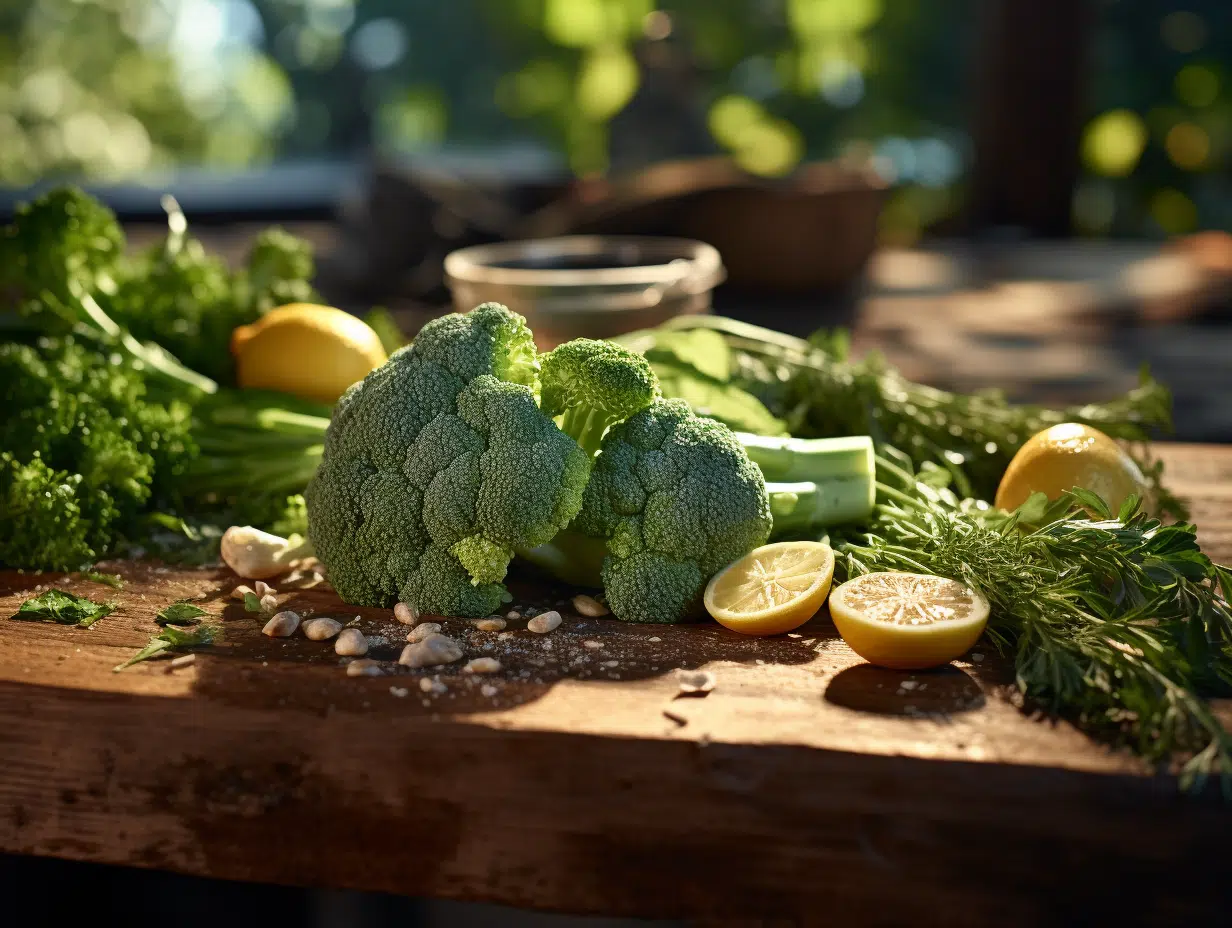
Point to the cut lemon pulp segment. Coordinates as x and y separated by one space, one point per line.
772 589
908 621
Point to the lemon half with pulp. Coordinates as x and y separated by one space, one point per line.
772 589
1067 456
314 352
908 621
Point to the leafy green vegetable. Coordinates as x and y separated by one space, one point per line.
64 609
108 434
115 581
819 391
438 465
189 301
173 638
181 613
1115 620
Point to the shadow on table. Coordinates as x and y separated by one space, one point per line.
249 669
107 895
940 692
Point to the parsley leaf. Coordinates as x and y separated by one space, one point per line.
181 613
64 609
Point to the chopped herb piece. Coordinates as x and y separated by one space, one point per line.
64 609
115 581
172 637
181 614
252 602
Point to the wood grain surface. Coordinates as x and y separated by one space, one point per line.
807 786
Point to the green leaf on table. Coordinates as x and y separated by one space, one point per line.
181 614
115 581
252 602
64 609
169 638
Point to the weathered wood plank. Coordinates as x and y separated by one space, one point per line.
804 785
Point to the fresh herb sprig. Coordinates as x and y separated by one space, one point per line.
173 637
1114 620
820 391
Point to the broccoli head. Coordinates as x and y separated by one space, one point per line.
676 498
592 385
438 465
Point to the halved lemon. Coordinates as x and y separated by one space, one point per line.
772 589
908 621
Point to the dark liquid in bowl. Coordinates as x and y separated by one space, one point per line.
569 263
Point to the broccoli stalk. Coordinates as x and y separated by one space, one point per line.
814 483
589 386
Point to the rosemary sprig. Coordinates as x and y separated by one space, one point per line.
1114 620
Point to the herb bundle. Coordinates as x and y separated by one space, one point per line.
1114 620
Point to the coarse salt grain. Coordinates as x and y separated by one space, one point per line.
321 629
695 682
482 665
432 651
399 691
420 632
364 668
654 638
513 615
282 625
351 643
488 690
593 645
406 613
976 657
544 623
589 606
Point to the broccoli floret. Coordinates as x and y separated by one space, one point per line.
676 498
592 385
438 465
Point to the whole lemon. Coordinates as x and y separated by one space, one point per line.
314 352
1067 456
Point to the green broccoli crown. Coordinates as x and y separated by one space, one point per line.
435 470
677 498
63 235
488 340
593 385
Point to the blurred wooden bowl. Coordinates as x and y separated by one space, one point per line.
811 231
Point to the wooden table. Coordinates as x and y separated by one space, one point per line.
807 785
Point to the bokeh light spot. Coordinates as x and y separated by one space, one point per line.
1188 146
1183 31
379 44
1113 143
607 82
1197 85
1173 211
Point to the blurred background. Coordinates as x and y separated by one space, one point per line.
1027 194
144 90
